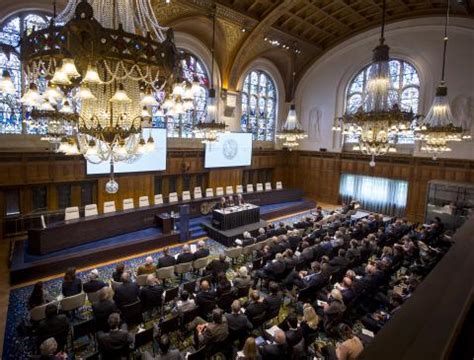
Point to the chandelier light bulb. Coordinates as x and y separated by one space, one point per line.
85 93
53 93
69 68
142 146
148 99
159 112
168 104
92 76
46 106
32 96
112 186
188 94
179 108
60 78
72 149
6 83
145 114
150 144
66 108
178 90
120 96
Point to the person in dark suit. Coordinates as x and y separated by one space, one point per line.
261 235
294 333
273 270
208 333
222 204
166 353
72 285
239 200
117 274
256 307
246 241
278 350
53 325
147 268
217 266
127 293
94 284
103 309
229 201
151 294
238 323
340 261
166 260
185 256
201 251
205 299
115 343
273 301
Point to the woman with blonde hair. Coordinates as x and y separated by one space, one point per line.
250 350
310 322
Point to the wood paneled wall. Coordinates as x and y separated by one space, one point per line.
318 174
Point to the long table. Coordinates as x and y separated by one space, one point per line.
66 234
235 216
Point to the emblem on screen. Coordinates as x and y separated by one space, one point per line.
230 149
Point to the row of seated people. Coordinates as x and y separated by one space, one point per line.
71 213
340 270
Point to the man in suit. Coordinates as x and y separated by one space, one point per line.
166 353
230 201
166 260
340 261
201 251
185 256
273 301
239 200
53 325
278 350
116 342
273 270
127 293
217 266
210 333
294 334
205 299
261 235
247 240
147 268
239 325
94 284
222 204
103 309
151 294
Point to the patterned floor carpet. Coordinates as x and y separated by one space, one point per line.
14 345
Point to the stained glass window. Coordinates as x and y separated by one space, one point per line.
259 106
11 115
406 91
182 125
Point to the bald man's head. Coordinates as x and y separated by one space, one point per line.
280 337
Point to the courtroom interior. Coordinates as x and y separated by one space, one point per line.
237 179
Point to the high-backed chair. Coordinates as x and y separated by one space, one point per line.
109 207
279 185
128 204
73 302
158 199
38 312
143 201
209 192
220 191
71 213
268 186
186 195
173 197
249 188
197 192
239 189
90 210
229 190
259 187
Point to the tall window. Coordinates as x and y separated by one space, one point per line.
405 91
11 116
182 125
385 196
259 101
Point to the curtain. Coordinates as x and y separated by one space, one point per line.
381 195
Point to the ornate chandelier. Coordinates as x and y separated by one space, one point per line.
292 132
93 75
379 121
210 129
438 128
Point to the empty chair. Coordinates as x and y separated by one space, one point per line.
90 210
219 191
233 253
173 197
197 192
71 213
186 195
239 189
249 188
109 207
38 312
201 263
229 190
141 279
268 186
143 201
165 273
209 192
279 185
128 204
158 199
73 302
183 268
259 187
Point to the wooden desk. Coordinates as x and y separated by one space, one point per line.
67 234
165 221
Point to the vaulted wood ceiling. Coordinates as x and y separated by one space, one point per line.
313 25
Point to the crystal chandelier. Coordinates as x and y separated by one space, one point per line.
209 129
379 121
292 132
438 128
93 74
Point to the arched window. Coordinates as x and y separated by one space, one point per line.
10 32
406 91
182 125
259 101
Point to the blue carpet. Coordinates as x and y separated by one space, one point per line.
16 347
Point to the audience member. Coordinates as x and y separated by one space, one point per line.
49 351
349 349
210 333
117 274
185 256
103 308
243 279
185 303
53 325
217 266
278 349
239 325
201 251
147 268
127 292
205 299
93 284
309 324
151 294
116 343
39 296
165 353
72 285
166 260
273 301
